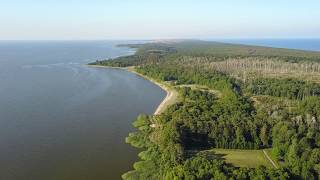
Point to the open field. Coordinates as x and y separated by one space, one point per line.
244 158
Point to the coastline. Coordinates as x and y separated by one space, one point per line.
108 67
171 94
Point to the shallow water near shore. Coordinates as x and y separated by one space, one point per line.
62 120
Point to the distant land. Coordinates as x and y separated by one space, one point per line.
242 111
290 43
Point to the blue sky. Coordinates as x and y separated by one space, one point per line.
151 19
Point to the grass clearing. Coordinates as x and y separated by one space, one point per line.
243 158
202 88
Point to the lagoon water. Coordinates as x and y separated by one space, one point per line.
61 120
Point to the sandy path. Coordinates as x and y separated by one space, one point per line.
274 164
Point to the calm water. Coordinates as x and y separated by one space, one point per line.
60 120
302 44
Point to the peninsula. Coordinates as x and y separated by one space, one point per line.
231 111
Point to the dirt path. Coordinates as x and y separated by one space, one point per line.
273 164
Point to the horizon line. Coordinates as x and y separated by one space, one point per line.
152 39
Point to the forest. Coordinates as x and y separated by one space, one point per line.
269 111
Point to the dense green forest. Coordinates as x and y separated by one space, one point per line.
253 112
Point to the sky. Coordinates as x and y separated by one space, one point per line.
158 19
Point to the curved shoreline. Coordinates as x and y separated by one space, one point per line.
164 101
170 94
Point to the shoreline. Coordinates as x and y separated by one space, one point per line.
107 67
169 93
